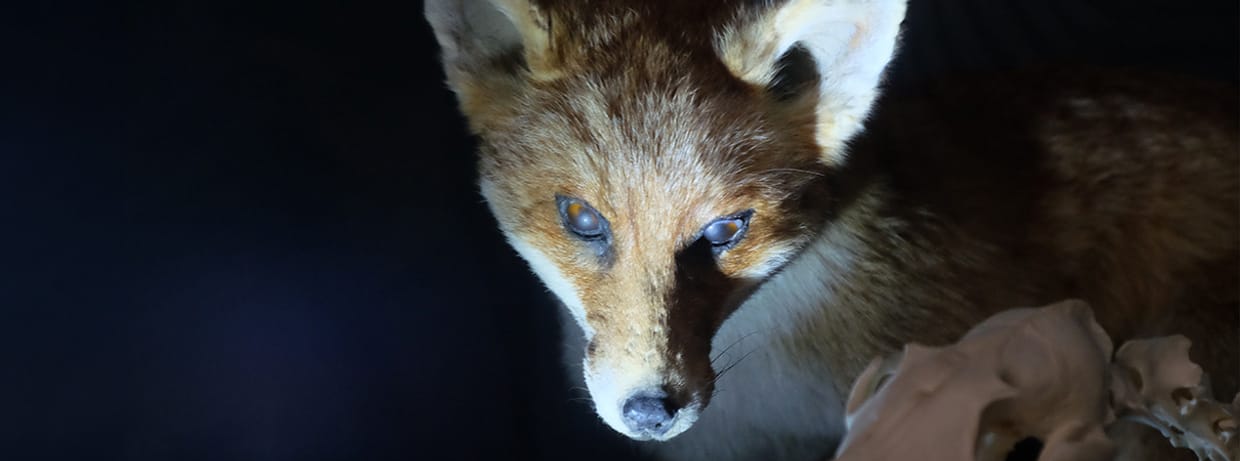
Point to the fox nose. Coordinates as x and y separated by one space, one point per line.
649 413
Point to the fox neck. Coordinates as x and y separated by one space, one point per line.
854 292
786 310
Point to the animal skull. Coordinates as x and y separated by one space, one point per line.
1155 383
1041 373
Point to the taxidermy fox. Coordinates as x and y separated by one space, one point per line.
738 224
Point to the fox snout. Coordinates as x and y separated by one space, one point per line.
650 413
648 315
646 404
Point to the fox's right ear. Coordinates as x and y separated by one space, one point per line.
840 48
490 48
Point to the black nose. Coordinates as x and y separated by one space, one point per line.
649 413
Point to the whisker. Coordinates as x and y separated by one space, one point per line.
730 346
792 170
587 401
737 362
733 365
579 390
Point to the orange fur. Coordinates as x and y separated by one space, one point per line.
949 206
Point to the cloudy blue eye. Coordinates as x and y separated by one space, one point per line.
582 219
725 232
722 232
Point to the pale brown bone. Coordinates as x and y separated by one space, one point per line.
1155 383
1034 373
1023 372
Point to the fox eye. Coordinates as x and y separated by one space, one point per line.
722 231
725 232
581 218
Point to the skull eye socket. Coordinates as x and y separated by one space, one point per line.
582 219
724 232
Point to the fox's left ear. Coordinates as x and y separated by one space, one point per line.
845 44
490 48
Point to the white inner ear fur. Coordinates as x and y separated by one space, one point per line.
851 42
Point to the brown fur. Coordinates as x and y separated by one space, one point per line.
613 131
1051 185
967 200
1023 190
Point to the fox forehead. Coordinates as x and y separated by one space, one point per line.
661 146
642 111
659 166
617 151
628 144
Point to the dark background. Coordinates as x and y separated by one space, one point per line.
250 231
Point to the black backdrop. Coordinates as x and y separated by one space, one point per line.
250 231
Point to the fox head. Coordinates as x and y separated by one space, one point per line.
654 162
